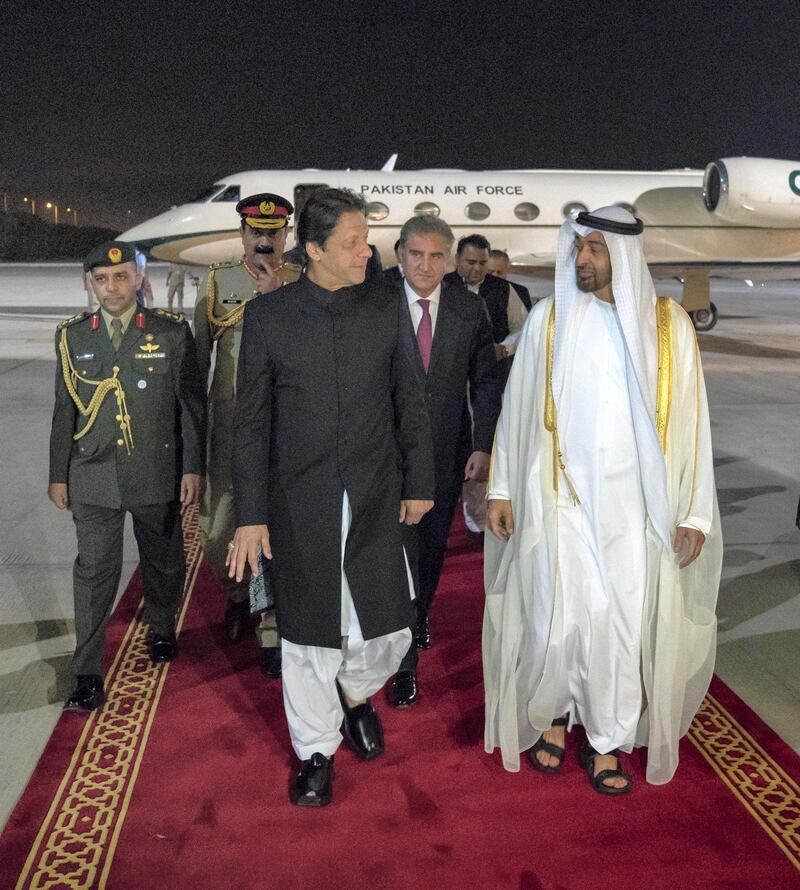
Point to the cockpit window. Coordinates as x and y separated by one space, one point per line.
207 194
231 193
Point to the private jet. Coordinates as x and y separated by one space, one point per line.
739 218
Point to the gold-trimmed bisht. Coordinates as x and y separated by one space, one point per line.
104 387
663 393
550 422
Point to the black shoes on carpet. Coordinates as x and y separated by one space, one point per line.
362 730
88 694
163 647
313 785
403 690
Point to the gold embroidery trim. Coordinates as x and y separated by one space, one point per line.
663 397
664 389
104 387
219 324
550 421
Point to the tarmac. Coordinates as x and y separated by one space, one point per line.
752 368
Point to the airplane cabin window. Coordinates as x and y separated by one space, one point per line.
573 208
231 193
526 211
625 206
376 211
207 194
426 208
477 210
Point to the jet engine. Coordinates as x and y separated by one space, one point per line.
753 191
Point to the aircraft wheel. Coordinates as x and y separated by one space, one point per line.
704 319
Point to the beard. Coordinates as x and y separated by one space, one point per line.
587 285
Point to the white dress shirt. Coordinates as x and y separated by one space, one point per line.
416 310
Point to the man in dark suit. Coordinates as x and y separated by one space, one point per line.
472 263
455 348
394 274
500 266
128 435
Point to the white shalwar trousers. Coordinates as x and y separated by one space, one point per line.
361 667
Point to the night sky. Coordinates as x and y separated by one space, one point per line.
124 109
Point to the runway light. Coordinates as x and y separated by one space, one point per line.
748 282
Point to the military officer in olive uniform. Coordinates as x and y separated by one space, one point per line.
224 292
128 435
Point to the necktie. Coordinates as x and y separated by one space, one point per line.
425 333
116 333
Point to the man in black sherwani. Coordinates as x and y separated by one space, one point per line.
332 452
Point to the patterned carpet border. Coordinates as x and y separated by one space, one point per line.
761 785
75 845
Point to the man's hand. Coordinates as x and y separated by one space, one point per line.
692 540
477 468
500 352
243 550
192 488
267 278
412 511
500 519
58 494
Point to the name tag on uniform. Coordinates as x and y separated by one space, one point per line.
86 357
231 299
150 355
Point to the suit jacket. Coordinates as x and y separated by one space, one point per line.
157 368
494 293
393 275
462 353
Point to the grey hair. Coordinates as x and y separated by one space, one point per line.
426 225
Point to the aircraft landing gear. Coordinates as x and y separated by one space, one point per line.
704 319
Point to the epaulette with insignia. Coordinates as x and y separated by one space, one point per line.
172 316
228 264
74 320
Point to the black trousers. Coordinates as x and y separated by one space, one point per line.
98 567
426 545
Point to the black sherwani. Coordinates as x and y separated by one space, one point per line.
329 399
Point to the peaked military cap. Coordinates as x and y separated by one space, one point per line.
110 253
265 211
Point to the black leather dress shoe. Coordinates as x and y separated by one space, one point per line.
403 691
362 730
271 661
162 647
313 785
422 634
236 617
88 693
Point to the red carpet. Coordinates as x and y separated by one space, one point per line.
181 782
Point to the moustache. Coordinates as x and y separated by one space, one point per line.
267 251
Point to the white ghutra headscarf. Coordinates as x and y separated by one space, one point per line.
635 299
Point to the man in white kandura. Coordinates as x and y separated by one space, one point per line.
603 567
